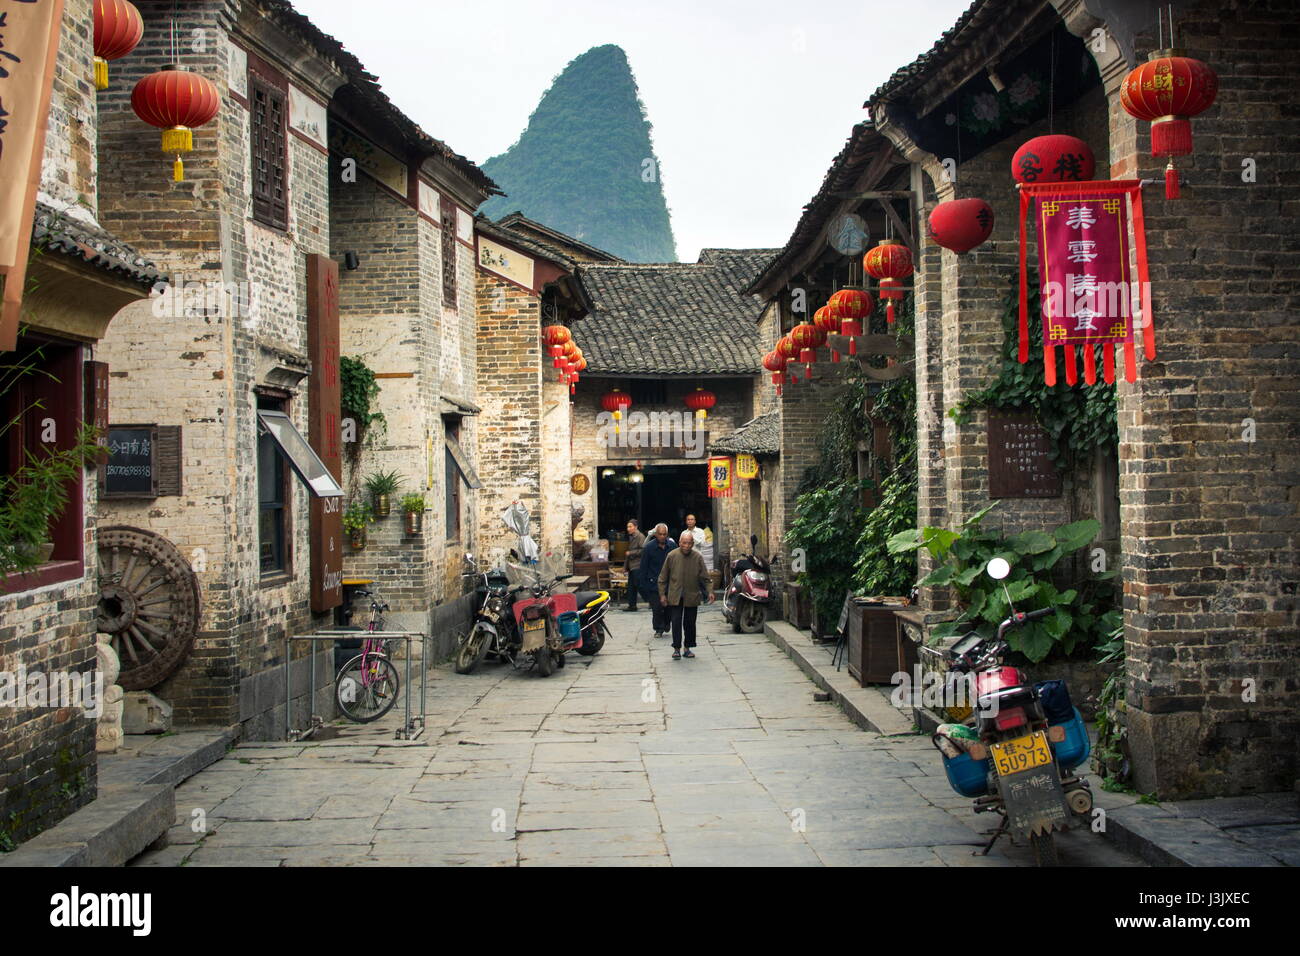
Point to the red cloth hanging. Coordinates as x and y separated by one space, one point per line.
1084 273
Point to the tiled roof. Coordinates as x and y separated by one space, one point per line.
758 436
980 16
367 87
74 233
673 318
861 147
527 243
519 219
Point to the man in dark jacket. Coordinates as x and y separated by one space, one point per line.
656 552
683 582
635 542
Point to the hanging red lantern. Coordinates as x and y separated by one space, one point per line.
852 306
118 30
555 336
569 353
889 262
961 224
806 338
828 321
700 401
617 402
175 101
775 363
1168 90
1055 158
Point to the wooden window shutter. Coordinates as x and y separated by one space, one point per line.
167 458
269 142
449 255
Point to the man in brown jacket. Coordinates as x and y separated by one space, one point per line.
635 544
682 582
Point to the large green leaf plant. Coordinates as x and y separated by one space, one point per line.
1084 615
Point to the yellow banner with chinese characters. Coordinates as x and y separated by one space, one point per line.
719 477
746 467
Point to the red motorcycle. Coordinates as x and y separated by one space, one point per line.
548 623
745 604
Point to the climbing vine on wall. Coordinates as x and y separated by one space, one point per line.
844 542
1077 418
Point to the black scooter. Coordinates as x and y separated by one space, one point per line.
749 595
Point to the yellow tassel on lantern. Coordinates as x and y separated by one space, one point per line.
178 171
701 413
101 73
177 139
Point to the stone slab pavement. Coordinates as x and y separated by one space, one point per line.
627 758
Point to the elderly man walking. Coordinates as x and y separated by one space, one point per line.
657 549
683 581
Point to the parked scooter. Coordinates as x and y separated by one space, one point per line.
494 631
549 623
1017 754
749 595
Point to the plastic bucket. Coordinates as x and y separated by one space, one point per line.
570 626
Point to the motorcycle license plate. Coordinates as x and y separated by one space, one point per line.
1023 753
534 624
490 615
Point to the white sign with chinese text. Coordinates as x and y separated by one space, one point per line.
306 116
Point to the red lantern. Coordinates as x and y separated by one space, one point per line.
616 402
1053 159
555 336
787 349
175 101
806 338
889 262
700 401
961 224
852 306
828 321
1167 90
775 363
118 29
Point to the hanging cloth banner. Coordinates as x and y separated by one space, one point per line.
1090 293
719 477
746 467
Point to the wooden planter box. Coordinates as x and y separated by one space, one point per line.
798 606
878 649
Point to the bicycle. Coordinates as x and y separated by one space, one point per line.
366 687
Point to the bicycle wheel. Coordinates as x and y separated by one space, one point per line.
366 688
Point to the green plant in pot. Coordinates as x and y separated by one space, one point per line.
33 496
413 508
356 517
1084 616
382 485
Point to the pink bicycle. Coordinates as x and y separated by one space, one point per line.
366 687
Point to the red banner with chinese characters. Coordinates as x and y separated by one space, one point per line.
1092 271
719 477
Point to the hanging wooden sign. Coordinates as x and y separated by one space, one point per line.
746 467
325 429
1093 282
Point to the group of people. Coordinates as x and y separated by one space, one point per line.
672 576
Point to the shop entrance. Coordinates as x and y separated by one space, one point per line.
655 493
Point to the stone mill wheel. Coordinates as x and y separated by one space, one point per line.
148 602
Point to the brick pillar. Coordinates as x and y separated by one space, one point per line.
1209 518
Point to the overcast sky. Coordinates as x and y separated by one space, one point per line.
750 101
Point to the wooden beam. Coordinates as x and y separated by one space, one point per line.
903 232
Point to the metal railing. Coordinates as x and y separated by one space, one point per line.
408 730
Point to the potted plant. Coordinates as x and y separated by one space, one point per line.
355 518
33 496
382 485
413 506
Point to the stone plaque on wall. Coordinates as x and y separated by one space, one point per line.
1020 457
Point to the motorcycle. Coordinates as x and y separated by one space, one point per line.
494 631
548 623
745 604
1017 754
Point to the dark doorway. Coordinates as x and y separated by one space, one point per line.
655 493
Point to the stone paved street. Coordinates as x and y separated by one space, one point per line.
628 758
